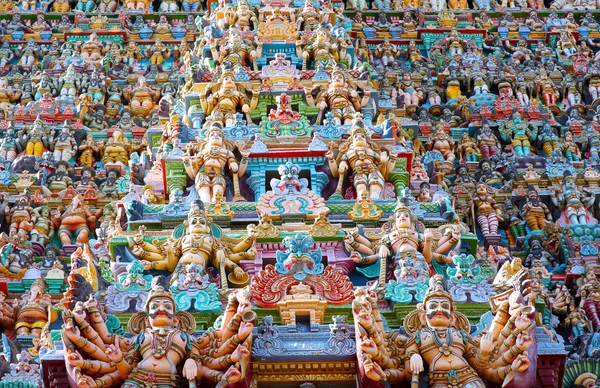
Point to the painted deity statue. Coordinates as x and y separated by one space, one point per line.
403 242
574 201
535 212
221 100
438 336
32 311
519 133
75 222
206 163
162 351
200 245
362 156
339 98
442 142
486 210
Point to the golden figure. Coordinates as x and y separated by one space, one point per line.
224 97
199 245
370 166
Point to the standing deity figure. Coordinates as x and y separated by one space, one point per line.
65 145
224 97
486 210
590 142
438 335
206 163
549 140
467 149
488 142
162 349
570 149
361 155
535 212
43 230
403 242
574 202
339 98
519 134
548 89
32 311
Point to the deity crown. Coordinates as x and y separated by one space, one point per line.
159 289
436 290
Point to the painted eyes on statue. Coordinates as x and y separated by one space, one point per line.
435 305
402 214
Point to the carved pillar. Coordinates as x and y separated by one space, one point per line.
257 181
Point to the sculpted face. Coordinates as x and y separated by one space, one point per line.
481 190
402 219
161 312
197 224
438 312
359 139
215 138
338 80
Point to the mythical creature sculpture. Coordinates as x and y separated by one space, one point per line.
162 342
438 336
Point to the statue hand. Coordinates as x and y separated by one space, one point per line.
428 234
416 364
245 329
521 363
113 352
384 157
79 314
384 252
91 302
72 331
487 344
522 323
233 375
190 369
456 234
524 341
353 93
368 346
147 265
85 381
74 358
373 370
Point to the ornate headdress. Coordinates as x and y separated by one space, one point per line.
402 205
40 284
160 289
436 290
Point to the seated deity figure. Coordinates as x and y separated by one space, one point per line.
199 245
